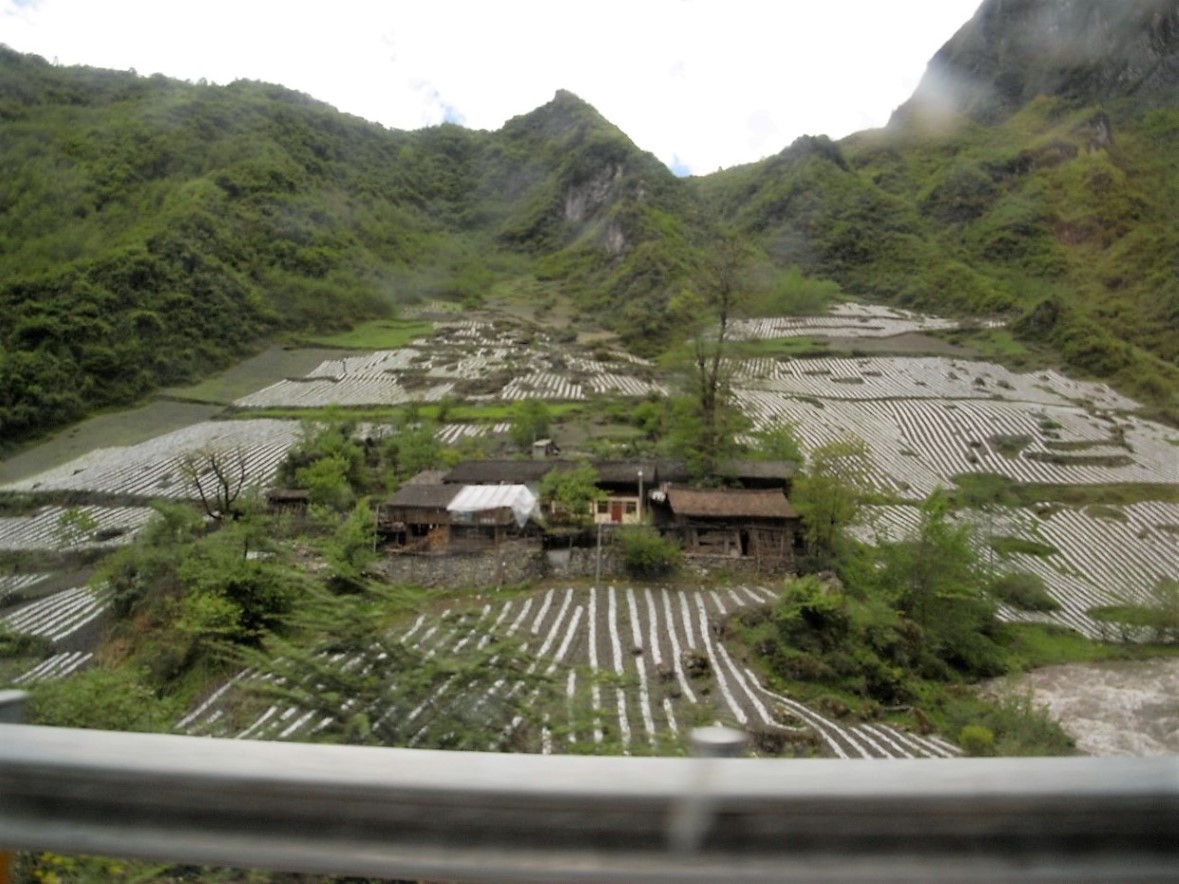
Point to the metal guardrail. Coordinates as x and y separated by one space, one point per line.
478 816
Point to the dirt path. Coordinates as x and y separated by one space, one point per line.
1113 708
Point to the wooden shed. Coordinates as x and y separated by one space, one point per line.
738 523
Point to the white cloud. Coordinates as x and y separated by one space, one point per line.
705 83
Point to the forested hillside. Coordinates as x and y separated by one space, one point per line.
152 230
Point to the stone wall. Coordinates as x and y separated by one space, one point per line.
516 564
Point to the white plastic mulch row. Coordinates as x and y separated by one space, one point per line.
13 583
1098 560
919 444
60 615
924 377
844 320
155 468
356 389
636 638
449 434
55 667
45 529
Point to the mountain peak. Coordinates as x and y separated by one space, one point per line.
1085 51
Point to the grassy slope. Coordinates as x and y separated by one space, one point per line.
1022 219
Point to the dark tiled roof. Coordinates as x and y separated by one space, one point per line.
669 470
759 469
719 503
503 472
424 496
427 477
624 472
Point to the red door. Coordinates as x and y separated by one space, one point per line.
615 511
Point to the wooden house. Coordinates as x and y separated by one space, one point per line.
288 501
416 516
753 523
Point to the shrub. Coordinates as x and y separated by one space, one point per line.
1023 590
976 740
647 554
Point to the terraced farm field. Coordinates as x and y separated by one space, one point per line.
59 616
154 469
922 436
477 360
43 529
844 320
638 666
1088 558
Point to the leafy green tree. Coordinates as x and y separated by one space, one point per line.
390 693
573 493
778 442
351 549
326 481
74 526
413 448
934 578
530 421
829 496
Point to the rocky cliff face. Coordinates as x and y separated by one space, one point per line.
1085 51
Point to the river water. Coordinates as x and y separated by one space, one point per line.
1113 708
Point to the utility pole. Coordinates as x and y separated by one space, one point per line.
640 496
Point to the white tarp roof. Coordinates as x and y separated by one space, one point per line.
475 498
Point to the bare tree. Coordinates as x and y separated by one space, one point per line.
218 476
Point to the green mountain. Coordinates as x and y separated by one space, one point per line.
153 230
1034 174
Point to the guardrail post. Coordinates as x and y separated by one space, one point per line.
12 711
692 814
12 707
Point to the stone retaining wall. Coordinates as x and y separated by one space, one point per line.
516 564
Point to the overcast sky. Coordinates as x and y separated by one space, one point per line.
702 84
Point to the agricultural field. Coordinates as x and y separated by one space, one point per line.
638 668
847 320
12 584
155 469
931 420
60 616
472 360
55 667
49 528
923 438
1087 557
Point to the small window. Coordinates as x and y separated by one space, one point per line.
603 507
631 507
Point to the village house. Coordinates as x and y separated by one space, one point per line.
625 484
416 518
736 523
288 502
